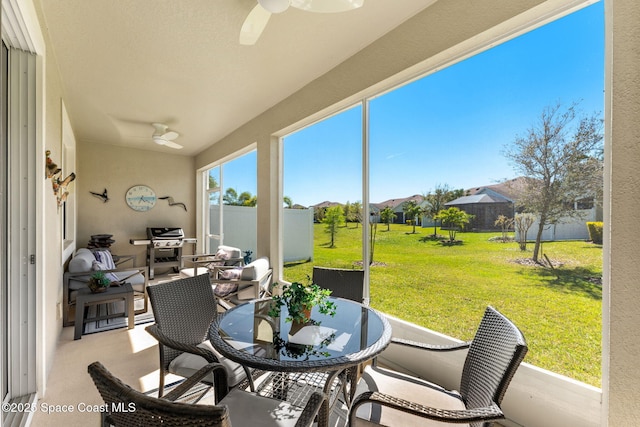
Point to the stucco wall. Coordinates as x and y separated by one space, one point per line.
621 316
51 234
117 169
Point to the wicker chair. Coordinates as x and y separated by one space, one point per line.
391 398
183 310
343 283
129 407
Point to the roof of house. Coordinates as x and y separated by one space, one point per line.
326 204
394 203
511 189
484 195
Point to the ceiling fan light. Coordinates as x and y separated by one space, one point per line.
274 6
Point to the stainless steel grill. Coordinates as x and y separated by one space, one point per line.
164 248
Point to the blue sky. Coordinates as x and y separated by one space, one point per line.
450 127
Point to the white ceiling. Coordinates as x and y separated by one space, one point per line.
128 63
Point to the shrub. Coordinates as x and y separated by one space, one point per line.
595 231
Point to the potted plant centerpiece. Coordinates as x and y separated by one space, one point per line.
98 282
300 300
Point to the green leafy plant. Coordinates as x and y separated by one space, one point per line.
300 299
98 282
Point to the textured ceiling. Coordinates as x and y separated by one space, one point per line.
126 64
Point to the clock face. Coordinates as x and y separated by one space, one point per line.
141 198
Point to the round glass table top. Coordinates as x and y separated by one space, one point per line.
248 335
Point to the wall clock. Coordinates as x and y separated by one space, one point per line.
141 198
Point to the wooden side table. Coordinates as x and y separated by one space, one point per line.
85 298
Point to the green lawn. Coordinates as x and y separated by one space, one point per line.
446 288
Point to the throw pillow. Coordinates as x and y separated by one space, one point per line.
231 274
223 289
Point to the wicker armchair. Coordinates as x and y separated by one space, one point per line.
183 310
343 283
391 398
129 407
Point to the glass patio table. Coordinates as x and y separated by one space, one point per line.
325 353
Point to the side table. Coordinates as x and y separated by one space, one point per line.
85 298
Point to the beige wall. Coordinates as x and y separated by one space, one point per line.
117 169
51 234
621 319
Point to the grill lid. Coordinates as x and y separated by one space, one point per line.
165 233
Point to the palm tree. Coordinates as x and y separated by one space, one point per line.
387 215
412 210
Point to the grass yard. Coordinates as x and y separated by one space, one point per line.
446 288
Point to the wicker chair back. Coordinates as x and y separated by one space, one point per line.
183 310
128 407
493 358
343 283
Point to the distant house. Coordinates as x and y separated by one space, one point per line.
486 206
397 205
488 202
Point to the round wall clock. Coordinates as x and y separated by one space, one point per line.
141 198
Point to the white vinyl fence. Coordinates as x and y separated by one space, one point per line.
568 229
240 230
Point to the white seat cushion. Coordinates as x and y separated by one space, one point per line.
188 364
249 410
256 269
404 387
188 272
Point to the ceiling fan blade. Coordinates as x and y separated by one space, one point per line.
327 6
171 135
161 141
172 144
254 25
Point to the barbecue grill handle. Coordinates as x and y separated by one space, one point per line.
139 242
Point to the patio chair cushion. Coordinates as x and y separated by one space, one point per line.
223 289
82 261
187 364
104 261
255 269
404 387
249 409
231 274
228 252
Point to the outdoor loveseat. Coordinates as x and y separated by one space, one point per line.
82 265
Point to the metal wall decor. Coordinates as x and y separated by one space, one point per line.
172 203
58 184
102 196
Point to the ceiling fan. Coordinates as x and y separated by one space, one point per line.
259 16
164 136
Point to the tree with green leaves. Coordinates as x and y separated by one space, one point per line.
355 212
247 199
333 219
230 197
412 210
454 219
556 155
435 202
288 203
387 215
347 213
